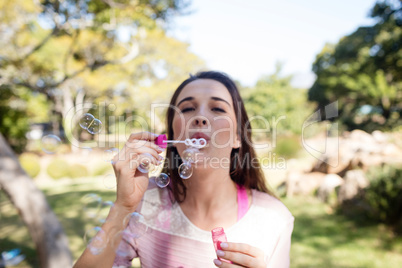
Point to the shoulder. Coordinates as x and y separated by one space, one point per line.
272 206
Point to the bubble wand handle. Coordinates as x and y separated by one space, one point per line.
197 143
162 141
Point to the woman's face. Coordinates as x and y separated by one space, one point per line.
205 110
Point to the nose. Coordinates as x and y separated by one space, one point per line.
200 121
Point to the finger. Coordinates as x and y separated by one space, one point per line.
238 258
148 147
135 144
132 158
149 136
243 248
141 151
223 264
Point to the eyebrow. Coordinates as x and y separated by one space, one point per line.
185 99
192 98
219 99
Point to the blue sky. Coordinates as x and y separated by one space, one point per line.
246 38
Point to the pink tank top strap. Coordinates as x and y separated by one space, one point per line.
242 202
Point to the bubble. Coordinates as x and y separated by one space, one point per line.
136 226
185 171
86 120
124 242
95 127
112 107
104 211
50 144
92 203
109 154
162 180
163 218
96 240
190 154
86 151
145 163
109 181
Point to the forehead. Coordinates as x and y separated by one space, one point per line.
205 89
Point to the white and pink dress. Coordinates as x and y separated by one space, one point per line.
172 240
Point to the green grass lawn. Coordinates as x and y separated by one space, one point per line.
320 238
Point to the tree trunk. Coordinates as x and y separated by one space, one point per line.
44 227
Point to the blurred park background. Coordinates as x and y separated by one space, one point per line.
332 151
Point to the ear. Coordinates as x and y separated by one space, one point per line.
237 143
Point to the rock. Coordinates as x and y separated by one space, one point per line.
336 161
330 182
361 136
341 162
391 150
379 136
303 184
354 181
367 161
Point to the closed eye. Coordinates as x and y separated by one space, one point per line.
187 110
216 109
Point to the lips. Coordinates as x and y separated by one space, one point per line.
199 135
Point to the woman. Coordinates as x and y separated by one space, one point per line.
227 189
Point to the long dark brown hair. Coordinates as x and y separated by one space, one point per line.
242 171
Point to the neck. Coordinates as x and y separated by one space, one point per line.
210 195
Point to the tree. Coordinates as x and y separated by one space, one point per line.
364 72
74 51
69 51
43 225
273 102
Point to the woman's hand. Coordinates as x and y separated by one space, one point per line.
241 255
131 183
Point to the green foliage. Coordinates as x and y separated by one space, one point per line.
364 70
13 119
78 171
98 52
384 195
102 170
30 163
275 106
58 168
287 147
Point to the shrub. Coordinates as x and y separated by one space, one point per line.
103 170
30 163
384 195
58 168
287 147
77 171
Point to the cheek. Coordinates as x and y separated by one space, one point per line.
178 126
225 129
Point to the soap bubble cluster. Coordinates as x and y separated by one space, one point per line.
96 240
91 204
90 123
162 180
189 156
146 166
109 181
109 154
95 208
136 226
185 170
50 144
